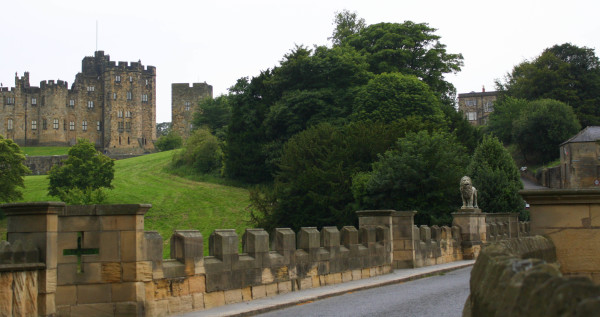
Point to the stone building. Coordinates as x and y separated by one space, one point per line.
580 159
477 106
184 99
111 104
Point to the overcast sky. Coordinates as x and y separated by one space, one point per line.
220 41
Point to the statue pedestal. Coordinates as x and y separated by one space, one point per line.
471 222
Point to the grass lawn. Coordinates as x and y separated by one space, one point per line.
45 150
177 203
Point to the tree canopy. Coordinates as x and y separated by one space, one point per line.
12 170
566 73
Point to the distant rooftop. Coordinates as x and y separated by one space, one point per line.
589 134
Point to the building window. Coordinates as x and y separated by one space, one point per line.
65 125
127 140
130 79
121 126
44 124
9 124
90 88
10 100
72 126
118 78
33 125
488 106
144 98
471 102
127 126
90 104
472 116
72 103
127 114
33 101
191 126
99 125
114 96
55 124
129 95
147 82
84 125
187 105
120 114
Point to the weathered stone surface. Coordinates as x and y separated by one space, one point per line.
198 301
137 271
6 293
93 310
93 293
111 272
214 299
233 296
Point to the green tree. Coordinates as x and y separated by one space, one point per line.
390 96
12 170
168 142
541 127
202 152
163 128
496 177
567 73
411 49
506 111
346 23
86 170
214 114
421 173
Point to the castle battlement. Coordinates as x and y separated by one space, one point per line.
51 84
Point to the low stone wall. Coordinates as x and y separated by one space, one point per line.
520 277
41 165
436 245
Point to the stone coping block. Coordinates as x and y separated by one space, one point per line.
33 208
389 212
561 196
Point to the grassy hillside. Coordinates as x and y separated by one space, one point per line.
177 203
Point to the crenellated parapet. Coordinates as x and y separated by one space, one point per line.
436 245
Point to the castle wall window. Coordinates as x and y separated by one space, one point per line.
144 98
127 114
33 125
127 140
72 126
84 125
99 125
55 124
120 126
9 124
72 103
10 100
127 126
65 125
114 96
90 104
120 114
146 82
118 79
187 105
90 88
471 102
44 124
33 101
130 79
472 116
129 95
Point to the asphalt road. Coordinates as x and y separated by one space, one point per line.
440 295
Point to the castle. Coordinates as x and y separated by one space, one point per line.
111 104
184 98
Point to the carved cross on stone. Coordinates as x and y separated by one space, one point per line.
80 251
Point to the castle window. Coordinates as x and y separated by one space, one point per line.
146 82
120 114
121 127
55 124
90 104
118 79
33 125
44 124
130 79
90 88
127 114
127 140
488 106
191 126
72 126
472 116
65 125
99 125
127 126
144 98
9 124
129 95
10 100
33 101
114 96
84 125
72 103
471 102
187 105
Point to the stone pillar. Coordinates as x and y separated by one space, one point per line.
38 223
471 222
400 225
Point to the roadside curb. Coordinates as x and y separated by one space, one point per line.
299 299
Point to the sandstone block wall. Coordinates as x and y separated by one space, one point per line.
436 245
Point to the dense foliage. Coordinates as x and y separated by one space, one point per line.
12 170
506 111
213 114
567 73
420 173
496 177
201 151
168 142
86 171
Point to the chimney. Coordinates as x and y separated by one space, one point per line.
482 88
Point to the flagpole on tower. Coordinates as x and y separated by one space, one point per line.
96 35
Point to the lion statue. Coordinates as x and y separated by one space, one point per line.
468 193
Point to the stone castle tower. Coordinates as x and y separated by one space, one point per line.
112 105
184 99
